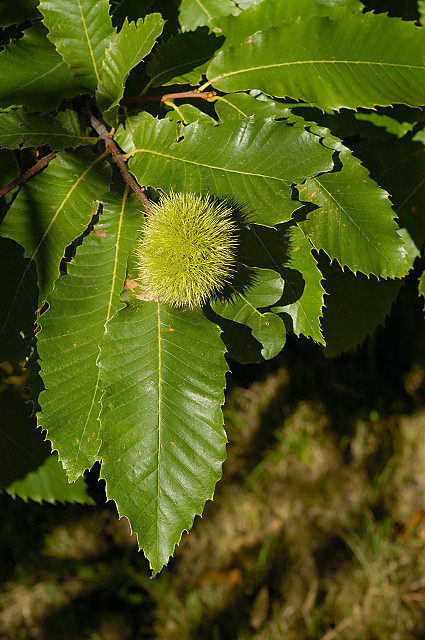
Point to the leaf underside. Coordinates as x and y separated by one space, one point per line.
266 13
49 483
196 13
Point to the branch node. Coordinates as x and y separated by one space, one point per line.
110 145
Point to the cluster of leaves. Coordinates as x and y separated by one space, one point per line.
268 92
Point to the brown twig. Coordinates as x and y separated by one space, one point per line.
166 97
104 134
38 166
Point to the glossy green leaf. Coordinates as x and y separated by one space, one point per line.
125 50
399 166
247 307
361 61
354 222
260 16
40 82
80 30
19 296
61 131
253 162
354 306
182 59
53 209
18 11
124 134
187 113
162 425
410 246
11 134
236 28
50 484
197 13
287 251
71 331
302 299
391 125
351 125
244 105
22 445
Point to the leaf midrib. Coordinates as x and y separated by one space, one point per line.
247 304
369 63
86 33
350 219
43 75
159 423
107 317
287 284
204 9
135 60
196 62
207 166
264 246
64 201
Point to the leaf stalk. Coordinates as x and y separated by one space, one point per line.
24 177
167 97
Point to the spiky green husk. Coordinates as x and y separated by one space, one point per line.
187 249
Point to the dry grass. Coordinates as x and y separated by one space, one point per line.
317 532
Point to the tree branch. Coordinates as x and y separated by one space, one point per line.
104 134
38 166
166 97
